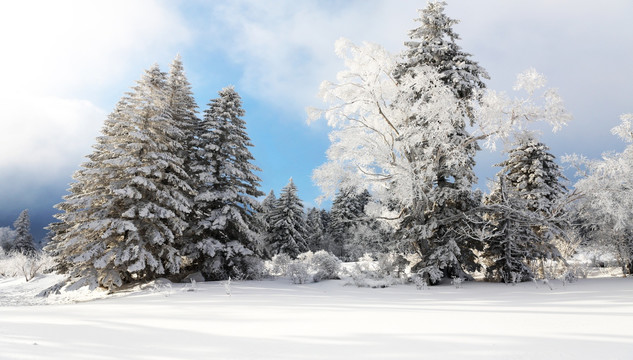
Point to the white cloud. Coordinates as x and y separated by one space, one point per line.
286 48
61 60
47 134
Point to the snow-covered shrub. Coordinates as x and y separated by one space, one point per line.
19 264
249 268
325 266
431 274
298 272
308 266
392 264
305 257
420 282
280 264
7 237
368 272
256 268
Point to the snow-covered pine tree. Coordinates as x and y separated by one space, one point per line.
287 232
434 44
266 208
316 231
128 208
437 227
508 242
528 209
184 112
225 230
346 214
23 242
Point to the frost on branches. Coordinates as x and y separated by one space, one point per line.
227 187
404 139
434 44
127 211
606 189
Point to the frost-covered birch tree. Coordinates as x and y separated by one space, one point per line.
128 206
404 139
225 231
287 232
606 190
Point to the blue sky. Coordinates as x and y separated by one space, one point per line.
67 63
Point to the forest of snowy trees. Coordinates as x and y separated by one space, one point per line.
168 192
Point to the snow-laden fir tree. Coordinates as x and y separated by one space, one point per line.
183 111
225 232
352 231
436 228
348 212
316 231
266 207
287 232
434 44
526 210
126 212
23 242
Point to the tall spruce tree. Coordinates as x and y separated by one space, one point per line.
287 232
434 44
435 223
225 230
23 241
527 215
509 244
128 208
350 227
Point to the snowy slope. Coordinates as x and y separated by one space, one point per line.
273 319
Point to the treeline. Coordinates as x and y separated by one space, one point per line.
167 192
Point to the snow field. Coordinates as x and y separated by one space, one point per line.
274 319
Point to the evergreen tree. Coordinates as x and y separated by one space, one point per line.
434 44
266 208
352 232
508 247
127 210
435 223
226 200
287 233
23 241
184 113
528 217
316 231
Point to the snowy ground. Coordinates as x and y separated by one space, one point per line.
274 319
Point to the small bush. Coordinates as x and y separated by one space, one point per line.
298 272
280 264
254 268
325 266
382 273
18 264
